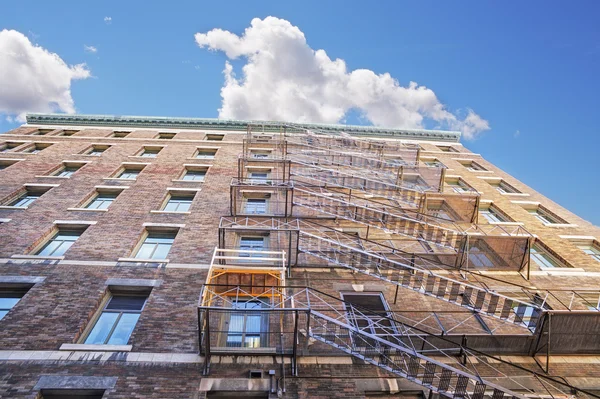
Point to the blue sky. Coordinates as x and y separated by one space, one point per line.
528 68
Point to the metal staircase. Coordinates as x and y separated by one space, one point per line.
321 321
410 272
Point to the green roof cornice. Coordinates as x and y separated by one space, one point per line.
232 124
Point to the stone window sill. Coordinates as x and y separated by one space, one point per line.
171 212
88 210
100 348
12 207
559 225
55 177
37 257
139 260
187 181
515 194
118 179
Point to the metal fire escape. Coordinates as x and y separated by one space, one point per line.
303 191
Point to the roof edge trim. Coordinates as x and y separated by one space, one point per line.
231 124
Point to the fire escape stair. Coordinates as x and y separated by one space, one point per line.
372 214
403 361
399 271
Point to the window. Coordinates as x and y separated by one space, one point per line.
477 258
178 203
434 163
368 313
102 200
9 146
5 163
591 249
149 152
446 148
251 244
503 187
256 206
492 215
72 394
544 216
474 167
156 245
263 138
41 132
97 150
67 170
206 154
35 148
8 299
166 136
117 320
438 210
60 242
120 134
259 177
28 196
458 186
542 258
67 133
129 173
247 329
193 174
215 137
259 154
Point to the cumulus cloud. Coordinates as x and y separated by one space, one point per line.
90 49
32 79
108 20
283 78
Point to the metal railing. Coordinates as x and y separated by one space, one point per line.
308 321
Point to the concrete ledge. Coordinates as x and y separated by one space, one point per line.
76 222
75 382
234 384
136 260
89 347
37 257
21 279
171 212
133 282
87 210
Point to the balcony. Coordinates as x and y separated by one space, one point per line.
260 196
299 321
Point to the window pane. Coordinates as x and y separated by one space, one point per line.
62 248
125 326
9 302
145 251
184 206
126 303
102 328
49 249
162 250
3 313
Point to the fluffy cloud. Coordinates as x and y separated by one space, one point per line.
32 79
90 49
285 79
108 20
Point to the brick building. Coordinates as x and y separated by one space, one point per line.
187 258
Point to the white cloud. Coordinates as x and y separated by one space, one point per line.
107 20
285 79
517 133
90 49
34 79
